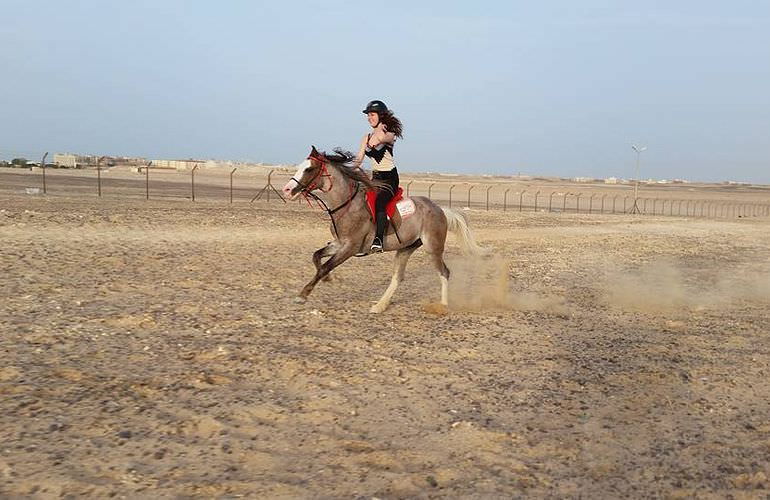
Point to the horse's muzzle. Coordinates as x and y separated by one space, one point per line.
291 190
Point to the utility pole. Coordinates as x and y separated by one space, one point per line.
638 149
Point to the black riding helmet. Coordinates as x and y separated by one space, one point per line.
375 107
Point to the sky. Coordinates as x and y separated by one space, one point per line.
498 87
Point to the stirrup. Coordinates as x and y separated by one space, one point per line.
376 246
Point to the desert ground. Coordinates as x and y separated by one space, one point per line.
152 349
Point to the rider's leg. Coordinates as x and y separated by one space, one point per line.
383 197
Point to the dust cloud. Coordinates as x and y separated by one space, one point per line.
482 283
667 285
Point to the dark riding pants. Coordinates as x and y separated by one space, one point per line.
390 177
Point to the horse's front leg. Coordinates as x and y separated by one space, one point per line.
322 253
343 253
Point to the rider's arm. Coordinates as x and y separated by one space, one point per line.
360 156
381 135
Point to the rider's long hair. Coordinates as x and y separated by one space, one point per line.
392 123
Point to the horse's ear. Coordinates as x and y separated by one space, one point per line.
314 153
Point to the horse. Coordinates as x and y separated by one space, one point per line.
339 186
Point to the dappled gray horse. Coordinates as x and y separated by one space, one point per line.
340 188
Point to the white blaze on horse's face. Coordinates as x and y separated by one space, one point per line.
291 189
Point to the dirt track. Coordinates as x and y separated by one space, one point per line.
152 349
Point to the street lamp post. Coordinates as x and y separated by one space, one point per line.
638 149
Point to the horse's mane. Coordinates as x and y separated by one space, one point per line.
345 163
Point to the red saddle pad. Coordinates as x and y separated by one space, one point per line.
371 196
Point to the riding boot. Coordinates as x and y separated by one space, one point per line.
381 221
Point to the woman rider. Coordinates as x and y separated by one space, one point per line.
378 146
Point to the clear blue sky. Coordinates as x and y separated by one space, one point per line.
551 88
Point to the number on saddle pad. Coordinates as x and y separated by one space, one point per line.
405 208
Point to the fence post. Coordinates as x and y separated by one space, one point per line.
602 209
625 199
505 200
644 210
536 195
577 203
564 203
488 188
231 184
521 199
192 180
408 185
613 203
147 181
591 203
469 194
99 179
550 201
269 187
42 165
429 189
450 195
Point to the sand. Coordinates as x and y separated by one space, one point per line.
153 350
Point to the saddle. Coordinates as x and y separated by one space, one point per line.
390 208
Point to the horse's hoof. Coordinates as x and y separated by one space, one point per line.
300 299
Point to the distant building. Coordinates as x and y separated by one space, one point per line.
177 164
69 160
65 160
611 180
115 161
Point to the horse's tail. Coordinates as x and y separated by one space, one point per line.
457 224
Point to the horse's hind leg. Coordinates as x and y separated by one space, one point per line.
443 271
399 264
434 245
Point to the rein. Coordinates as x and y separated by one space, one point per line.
307 191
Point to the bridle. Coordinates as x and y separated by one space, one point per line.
307 189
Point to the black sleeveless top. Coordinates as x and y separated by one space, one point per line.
381 155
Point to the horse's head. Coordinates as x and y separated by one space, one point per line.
309 175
